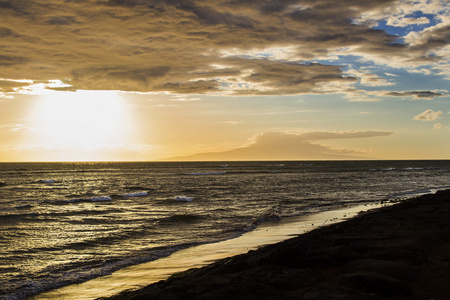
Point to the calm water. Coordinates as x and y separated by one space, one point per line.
62 223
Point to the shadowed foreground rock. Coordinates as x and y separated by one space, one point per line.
397 252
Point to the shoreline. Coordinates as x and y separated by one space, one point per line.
395 252
138 276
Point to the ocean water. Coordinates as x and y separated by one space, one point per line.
64 223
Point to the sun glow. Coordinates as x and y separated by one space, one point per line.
85 121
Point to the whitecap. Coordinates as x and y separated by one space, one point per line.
138 194
97 199
46 181
24 206
183 198
207 173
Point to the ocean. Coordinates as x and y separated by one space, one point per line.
65 223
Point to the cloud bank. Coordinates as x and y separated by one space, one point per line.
256 47
290 146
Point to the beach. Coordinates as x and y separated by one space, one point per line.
139 276
394 252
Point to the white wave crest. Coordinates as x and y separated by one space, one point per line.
138 194
207 173
183 198
97 199
46 181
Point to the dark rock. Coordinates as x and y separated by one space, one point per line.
324 292
285 278
413 257
317 261
238 290
376 283
397 270
343 254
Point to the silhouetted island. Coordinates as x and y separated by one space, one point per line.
396 252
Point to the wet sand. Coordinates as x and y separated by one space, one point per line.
396 252
139 276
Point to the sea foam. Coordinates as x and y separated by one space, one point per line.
183 199
46 181
206 173
102 198
138 194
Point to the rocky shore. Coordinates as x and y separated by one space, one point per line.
395 252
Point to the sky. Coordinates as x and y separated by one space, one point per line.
144 80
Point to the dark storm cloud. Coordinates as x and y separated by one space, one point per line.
10 60
415 94
7 5
288 77
7 86
125 79
4 32
323 135
200 86
209 16
61 20
195 46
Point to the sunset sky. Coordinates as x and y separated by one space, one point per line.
224 80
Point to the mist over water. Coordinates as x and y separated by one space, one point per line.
62 223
